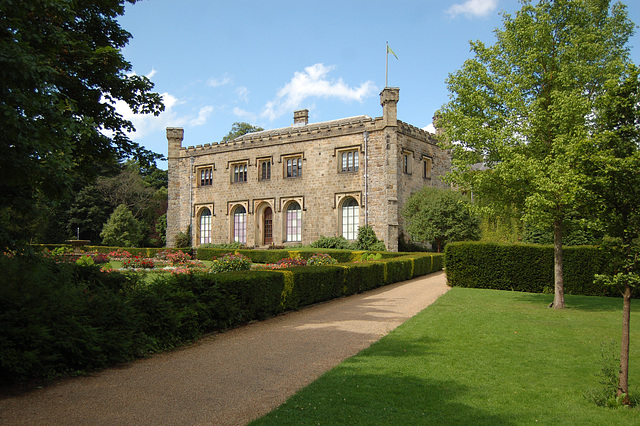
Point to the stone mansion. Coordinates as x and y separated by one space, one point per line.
292 185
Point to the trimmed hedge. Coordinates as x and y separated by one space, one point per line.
63 318
527 268
273 256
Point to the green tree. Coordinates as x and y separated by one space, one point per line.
240 128
612 163
522 107
368 240
122 229
440 216
62 71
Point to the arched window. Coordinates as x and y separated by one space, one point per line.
350 219
205 226
240 225
294 222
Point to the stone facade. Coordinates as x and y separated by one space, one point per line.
292 185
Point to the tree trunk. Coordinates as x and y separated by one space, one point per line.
623 380
558 299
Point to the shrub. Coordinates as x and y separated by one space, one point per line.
231 262
85 260
367 240
332 243
122 229
321 259
183 239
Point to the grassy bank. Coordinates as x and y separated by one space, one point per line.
477 357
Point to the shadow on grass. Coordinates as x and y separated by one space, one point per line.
577 302
348 397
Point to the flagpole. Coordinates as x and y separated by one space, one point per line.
386 68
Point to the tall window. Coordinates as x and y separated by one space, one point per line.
206 176
406 166
350 161
294 167
265 170
350 219
205 226
239 172
426 168
240 225
294 222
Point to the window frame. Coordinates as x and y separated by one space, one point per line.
352 216
261 173
205 229
239 221
202 177
288 165
427 164
293 225
344 166
239 172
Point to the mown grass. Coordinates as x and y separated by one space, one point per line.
477 357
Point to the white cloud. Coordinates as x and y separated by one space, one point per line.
313 82
430 128
246 115
472 8
146 124
243 93
222 81
203 116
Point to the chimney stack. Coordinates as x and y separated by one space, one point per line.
301 117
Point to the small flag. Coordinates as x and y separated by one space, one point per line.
392 52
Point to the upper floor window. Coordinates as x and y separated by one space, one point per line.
239 172
264 170
293 167
406 163
426 168
350 161
206 176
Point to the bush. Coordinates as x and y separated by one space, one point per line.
321 259
231 262
367 240
227 246
332 243
122 229
289 262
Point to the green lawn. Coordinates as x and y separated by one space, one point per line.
477 357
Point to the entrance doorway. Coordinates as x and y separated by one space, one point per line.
268 226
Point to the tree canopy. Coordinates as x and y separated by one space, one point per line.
523 106
240 128
61 72
440 216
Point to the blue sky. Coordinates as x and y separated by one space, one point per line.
219 62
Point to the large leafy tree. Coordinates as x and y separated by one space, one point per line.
612 163
523 105
61 70
440 216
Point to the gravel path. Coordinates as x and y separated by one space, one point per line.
229 378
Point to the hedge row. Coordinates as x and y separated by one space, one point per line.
64 318
528 268
143 252
272 256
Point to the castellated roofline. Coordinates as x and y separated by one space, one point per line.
314 131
